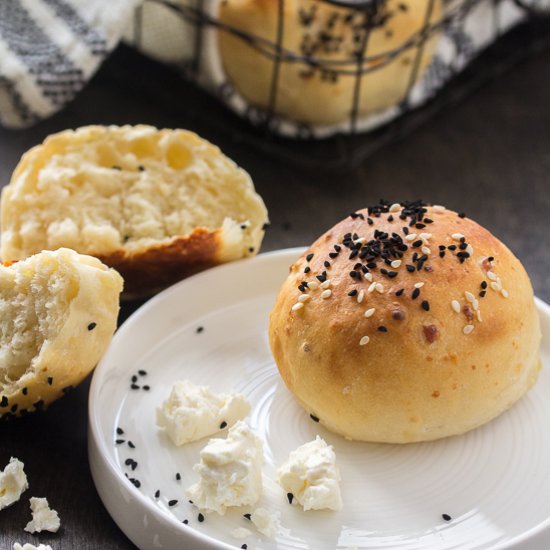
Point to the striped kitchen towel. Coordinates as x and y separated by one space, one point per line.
50 48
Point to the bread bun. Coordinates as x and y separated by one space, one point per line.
59 312
329 36
157 205
424 327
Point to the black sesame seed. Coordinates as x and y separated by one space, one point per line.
91 326
490 258
146 387
223 425
244 546
265 226
247 516
200 517
333 255
392 274
484 285
50 380
425 305
115 167
307 269
410 268
417 243
134 386
337 247
415 293
157 493
428 220
382 328
463 246
461 215
290 497
405 230
309 257
25 391
119 431
314 418
442 254
482 293
326 264
131 445
67 389
142 372
442 247
446 517
185 521
370 221
400 291
420 225
353 292
199 330
251 249
136 483
354 274
141 168
119 441
134 378
172 502
178 476
13 408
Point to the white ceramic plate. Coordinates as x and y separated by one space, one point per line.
494 482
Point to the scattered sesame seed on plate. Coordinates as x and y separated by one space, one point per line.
364 341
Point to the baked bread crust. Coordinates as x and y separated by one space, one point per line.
424 363
71 336
323 33
158 205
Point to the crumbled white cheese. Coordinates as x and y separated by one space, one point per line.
192 412
310 474
43 518
13 482
230 471
240 533
266 522
29 546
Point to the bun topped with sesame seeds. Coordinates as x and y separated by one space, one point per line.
315 82
406 322
157 205
59 312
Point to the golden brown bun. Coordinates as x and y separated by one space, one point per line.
59 312
325 33
157 205
426 377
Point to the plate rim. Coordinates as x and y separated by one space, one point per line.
96 441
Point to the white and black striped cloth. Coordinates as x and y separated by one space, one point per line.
50 48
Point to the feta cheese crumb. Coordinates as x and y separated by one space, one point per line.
43 518
230 471
266 522
240 533
311 475
13 482
29 546
192 412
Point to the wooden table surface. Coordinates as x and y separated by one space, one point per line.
488 156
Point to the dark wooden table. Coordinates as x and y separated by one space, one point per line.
489 156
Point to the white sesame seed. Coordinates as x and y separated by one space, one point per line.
410 237
504 292
496 286
379 288
426 250
360 240
455 304
469 296
470 249
478 315
372 286
364 341
438 207
313 285
325 284
491 276
499 282
297 306
418 285
304 297
467 329
425 236
368 276
395 264
395 207
457 236
326 294
475 304
370 312
360 296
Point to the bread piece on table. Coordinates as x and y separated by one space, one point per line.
157 205
331 37
58 312
425 326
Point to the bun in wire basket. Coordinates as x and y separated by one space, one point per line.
406 322
59 312
157 205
